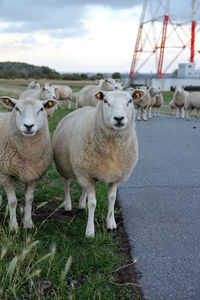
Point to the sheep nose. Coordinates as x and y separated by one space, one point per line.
28 127
119 119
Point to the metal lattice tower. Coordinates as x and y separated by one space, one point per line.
154 39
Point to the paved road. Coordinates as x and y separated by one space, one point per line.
161 208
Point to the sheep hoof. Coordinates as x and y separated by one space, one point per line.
89 233
14 226
28 224
111 225
68 206
81 206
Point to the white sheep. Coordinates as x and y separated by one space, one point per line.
97 144
142 102
192 101
63 92
152 93
172 105
86 96
33 85
45 93
158 102
25 150
178 101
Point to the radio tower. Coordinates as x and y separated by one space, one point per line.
153 39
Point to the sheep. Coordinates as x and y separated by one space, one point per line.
152 93
172 105
141 103
97 144
45 93
178 101
158 102
33 85
63 92
192 101
25 150
87 95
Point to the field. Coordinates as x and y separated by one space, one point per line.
54 260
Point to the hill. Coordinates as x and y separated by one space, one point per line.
10 70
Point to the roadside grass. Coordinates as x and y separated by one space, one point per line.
55 260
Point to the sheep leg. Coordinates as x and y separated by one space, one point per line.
69 103
67 200
158 112
177 112
150 112
111 224
138 114
91 209
188 112
182 113
144 114
82 200
30 187
12 205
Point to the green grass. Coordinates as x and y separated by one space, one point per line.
56 251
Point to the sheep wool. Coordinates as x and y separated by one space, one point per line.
25 150
97 144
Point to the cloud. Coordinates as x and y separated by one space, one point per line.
58 18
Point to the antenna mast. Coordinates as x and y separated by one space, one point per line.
193 31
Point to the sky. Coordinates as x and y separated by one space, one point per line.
80 35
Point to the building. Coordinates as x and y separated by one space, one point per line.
188 71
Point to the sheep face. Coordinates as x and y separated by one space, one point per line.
47 92
117 108
29 114
179 89
110 84
33 84
157 93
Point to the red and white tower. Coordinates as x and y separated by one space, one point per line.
158 33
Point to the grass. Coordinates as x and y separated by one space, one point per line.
54 260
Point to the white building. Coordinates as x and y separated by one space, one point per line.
188 71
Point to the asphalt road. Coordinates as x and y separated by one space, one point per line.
161 207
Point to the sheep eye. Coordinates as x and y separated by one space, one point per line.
130 101
17 109
41 109
106 102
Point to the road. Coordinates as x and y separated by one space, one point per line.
161 208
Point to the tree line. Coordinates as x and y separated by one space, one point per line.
12 70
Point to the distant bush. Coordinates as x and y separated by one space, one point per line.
116 75
10 70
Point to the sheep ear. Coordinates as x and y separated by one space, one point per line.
99 95
49 103
137 95
8 102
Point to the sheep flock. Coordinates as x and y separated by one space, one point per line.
97 141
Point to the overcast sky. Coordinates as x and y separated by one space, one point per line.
77 35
